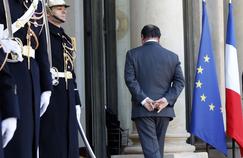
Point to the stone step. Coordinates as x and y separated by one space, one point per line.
174 155
127 156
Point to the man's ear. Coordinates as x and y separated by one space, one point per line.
142 39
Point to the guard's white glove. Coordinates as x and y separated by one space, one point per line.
45 100
9 126
78 112
10 45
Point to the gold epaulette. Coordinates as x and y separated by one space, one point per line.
74 43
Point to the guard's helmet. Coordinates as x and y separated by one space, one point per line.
52 3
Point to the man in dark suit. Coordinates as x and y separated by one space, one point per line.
154 78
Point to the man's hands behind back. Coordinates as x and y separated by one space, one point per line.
158 105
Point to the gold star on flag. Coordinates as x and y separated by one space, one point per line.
199 70
211 107
199 84
206 59
203 98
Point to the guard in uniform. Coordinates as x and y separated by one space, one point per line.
32 76
9 110
59 130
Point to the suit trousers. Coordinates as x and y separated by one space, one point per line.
151 131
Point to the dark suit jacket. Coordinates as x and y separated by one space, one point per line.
155 72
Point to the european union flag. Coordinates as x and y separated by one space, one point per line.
207 120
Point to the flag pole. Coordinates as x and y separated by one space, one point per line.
233 141
233 148
207 148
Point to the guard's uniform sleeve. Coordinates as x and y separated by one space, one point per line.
77 98
9 106
44 66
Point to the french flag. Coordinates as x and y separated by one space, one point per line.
234 117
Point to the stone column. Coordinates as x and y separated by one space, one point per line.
168 15
238 13
123 45
216 11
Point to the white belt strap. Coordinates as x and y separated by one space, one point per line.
23 19
66 74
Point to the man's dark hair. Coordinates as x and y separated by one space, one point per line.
150 31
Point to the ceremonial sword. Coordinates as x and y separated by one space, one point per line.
47 31
8 19
9 28
53 70
86 142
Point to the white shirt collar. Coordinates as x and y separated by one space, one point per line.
151 40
